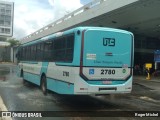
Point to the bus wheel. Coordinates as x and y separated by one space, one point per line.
22 76
44 85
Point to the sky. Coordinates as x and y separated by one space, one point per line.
31 15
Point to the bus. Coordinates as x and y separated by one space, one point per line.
80 61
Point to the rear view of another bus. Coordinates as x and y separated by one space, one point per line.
106 61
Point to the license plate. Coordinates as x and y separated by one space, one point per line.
107 82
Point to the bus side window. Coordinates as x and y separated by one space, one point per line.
38 52
60 49
24 53
48 48
63 50
32 53
18 54
69 48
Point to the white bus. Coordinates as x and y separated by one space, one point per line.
83 60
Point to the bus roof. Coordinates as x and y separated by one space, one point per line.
73 30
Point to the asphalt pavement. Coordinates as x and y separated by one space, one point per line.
151 83
138 80
2 78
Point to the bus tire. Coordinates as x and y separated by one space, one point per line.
44 85
22 76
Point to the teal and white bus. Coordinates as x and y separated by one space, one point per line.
80 61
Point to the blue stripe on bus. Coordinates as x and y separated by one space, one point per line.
52 84
31 77
103 82
60 87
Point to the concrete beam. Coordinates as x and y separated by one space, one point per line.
85 13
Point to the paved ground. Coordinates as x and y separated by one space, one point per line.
2 78
145 96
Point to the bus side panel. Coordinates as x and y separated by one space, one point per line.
31 71
32 78
60 79
60 86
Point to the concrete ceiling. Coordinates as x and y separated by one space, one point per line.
142 17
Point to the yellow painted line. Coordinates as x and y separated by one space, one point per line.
3 108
